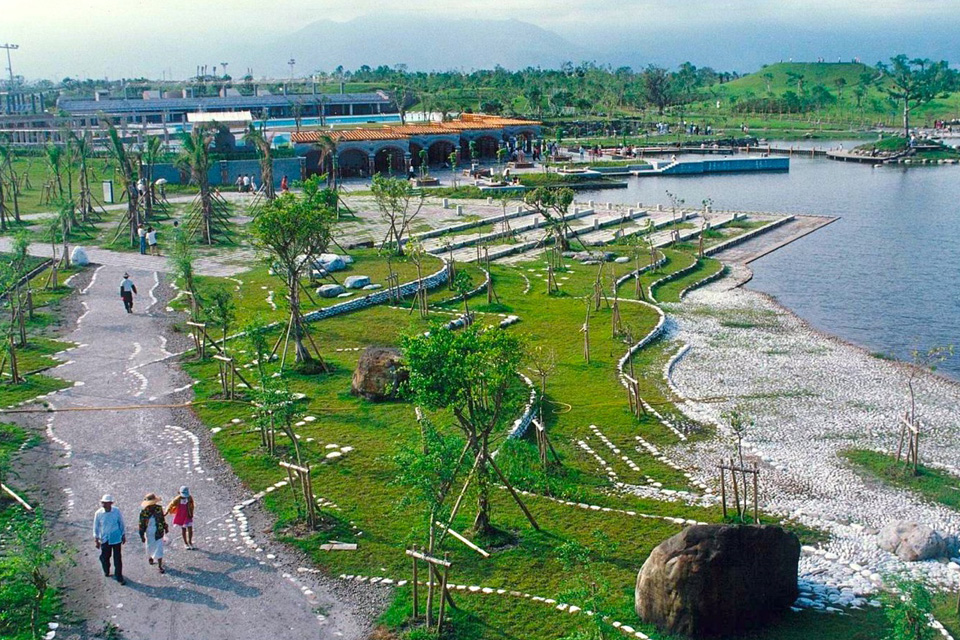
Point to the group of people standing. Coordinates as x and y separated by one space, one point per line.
148 240
109 530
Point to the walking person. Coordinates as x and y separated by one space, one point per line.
284 185
182 509
246 183
152 241
239 184
127 289
153 526
143 239
109 536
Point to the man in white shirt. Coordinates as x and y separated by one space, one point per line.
127 289
109 535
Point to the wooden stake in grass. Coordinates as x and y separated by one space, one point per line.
585 330
306 490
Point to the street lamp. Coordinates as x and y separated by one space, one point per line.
291 62
10 47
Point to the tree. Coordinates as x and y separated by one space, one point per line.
909 609
553 205
395 198
916 82
293 230
182 256
8 176
657 87
28 565
125 174
473 374
150 156
220 310
195 158
264 145
462 285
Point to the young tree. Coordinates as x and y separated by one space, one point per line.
473 374
29 562
399 204
125 174
915 82
221 311
8 176
150 156
258 137
462 285
195 158
553 205
293 230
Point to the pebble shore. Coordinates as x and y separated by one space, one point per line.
813 396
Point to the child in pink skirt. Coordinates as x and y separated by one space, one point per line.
182 509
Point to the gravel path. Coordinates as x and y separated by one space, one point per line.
234 585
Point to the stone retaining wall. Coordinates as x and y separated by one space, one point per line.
747 236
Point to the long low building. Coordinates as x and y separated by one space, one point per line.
157 110
366 151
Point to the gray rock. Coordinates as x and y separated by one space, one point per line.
379 374
719 579
622 260
911 541
372 287
356 282
79 257
330 290
331 262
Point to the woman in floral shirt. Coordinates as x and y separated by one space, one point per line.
153 526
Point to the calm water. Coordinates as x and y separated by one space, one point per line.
885 276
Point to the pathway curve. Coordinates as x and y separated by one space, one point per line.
225 589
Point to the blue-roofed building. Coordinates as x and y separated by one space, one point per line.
155 109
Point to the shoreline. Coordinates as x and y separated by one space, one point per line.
813 395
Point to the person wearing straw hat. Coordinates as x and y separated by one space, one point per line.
109 535
182 509
127 289
153 526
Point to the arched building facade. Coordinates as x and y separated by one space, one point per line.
395 149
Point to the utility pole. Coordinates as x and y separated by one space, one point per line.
10 47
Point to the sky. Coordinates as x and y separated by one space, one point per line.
97 38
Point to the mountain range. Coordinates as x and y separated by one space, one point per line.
419 43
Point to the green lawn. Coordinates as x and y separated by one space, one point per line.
933 484
579 394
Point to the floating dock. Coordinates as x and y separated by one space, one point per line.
716 165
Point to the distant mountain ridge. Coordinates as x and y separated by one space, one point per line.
427 43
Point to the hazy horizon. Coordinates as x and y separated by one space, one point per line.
96 38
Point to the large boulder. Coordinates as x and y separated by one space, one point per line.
330 290
356 282
379 374
718 579
79 257
331 262
911 541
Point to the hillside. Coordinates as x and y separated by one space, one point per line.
781 77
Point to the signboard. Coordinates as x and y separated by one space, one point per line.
108 192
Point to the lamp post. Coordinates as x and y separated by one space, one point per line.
10 47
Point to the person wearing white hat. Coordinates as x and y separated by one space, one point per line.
182 509
109 536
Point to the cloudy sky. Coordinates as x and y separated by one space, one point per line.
162 37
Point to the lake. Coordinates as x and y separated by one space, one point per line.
885 276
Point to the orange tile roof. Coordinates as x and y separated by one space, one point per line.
467 121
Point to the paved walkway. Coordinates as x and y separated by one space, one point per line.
231 264
225 589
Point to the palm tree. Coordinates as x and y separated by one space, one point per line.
328 151
195 158
126 176
258 137
150 157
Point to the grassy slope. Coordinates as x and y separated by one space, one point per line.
876 103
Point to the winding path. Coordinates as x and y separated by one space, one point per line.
226 589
